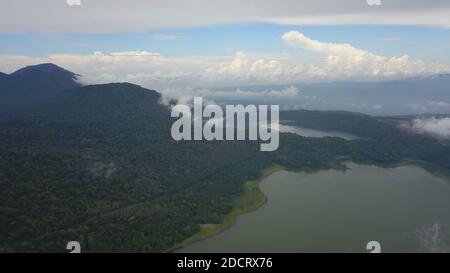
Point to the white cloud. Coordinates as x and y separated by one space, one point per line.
140 15
326 62
439 104
377 107
185 95
386 14
439 127
135 54
167 37
430 106
347 61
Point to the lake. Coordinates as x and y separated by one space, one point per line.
306 132
404 208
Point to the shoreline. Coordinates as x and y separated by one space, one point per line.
251 199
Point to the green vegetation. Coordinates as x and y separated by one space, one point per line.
249 200
97 164
383 141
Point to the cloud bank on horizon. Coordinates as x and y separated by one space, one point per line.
326 62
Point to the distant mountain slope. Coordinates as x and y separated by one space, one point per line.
341 121
35 83
430 94
380 130
104 102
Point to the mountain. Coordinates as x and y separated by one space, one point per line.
3 78
103 102
44 68
417 95
101 160
35 83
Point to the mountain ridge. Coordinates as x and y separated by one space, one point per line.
35 83
43 67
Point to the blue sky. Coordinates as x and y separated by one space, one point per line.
427 43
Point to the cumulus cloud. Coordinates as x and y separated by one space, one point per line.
430 106
185 95
106 16
134 54
439 127
439 104
326 62
347 60
377 107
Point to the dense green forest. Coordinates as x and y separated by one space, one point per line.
97 164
